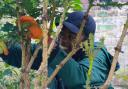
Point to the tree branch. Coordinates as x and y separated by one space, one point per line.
115 59
58 28
53 14
45 38
33 58
24 81
61 65
43 67
75 48
22 84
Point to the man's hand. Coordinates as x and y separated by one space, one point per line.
3 48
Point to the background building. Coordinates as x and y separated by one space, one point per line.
110 24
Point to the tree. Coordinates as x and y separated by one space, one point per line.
46 11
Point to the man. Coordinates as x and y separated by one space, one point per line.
74 73
77 67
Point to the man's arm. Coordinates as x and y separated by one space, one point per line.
15 55
72 74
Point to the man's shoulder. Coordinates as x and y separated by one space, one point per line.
100 53
98 45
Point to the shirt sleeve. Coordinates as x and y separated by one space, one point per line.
15 55
110 59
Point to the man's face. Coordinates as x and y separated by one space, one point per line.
67 39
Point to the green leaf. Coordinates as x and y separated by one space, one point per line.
7 72
31 7
54 25
91 39
26 25
8 8
76 5
8 27
6 65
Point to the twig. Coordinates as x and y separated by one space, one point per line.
83 24
33 58
53 14
50 49
115 58
27 59
22 85
23 50
89 51
24 81
84 21
43 67
59 28
75 49
45 38
18 15
61 65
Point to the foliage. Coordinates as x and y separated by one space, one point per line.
7 74
76 5
10 34
10 76
7 7
31 7
89 50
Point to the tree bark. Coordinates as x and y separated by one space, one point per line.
115 58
